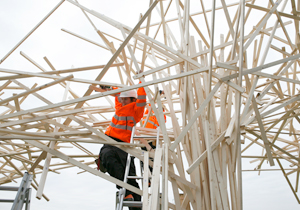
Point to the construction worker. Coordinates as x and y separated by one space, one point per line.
129 107
153 124
152 120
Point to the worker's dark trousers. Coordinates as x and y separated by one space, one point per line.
114 160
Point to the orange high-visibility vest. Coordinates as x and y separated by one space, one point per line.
126 117
152 120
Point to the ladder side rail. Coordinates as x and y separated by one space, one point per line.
157 137
28 199
155 179
165 175
123 191
145 177
158 196
145 180
147 200
26 188
20 197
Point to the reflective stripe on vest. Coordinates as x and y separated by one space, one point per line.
153 123
125 118
141 104
140 97
123 127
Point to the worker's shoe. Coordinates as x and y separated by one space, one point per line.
129 198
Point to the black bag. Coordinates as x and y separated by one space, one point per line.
100 165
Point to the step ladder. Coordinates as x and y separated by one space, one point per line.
23 194
145 176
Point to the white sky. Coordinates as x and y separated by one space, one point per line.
69 190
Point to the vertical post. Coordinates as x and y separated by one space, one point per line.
165 178
210 165
211 51
40 190
145 180
154 197
238 105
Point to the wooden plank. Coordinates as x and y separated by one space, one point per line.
287 179
263 22
36 89
263 133
165 175
194 118
154 191
90 97
213 146
125 42
259 68
267 10
42 75
84 167
216 183
210 167
30 32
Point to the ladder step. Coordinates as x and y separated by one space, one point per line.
133 203
135 177
7 188
148 137
6 201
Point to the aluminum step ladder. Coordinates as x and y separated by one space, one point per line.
121 194
23 194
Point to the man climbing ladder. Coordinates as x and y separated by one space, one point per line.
150 121
129 107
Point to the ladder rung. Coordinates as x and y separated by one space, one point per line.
6 201
135 177
7 188
133 203
148 137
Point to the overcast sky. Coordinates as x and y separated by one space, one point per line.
70 190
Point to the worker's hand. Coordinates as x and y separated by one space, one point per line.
105 87
161 92
138 72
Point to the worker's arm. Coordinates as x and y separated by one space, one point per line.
103 88
118 105
161 92
140 104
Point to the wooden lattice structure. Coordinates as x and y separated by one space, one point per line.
229 70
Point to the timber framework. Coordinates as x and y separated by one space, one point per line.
230 75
